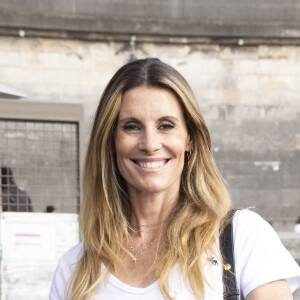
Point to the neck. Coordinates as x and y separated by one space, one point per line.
151 208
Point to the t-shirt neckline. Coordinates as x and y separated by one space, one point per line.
131 289
128 288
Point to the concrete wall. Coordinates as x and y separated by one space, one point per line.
249 96
268 18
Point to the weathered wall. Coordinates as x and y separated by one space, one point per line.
268 18
249 96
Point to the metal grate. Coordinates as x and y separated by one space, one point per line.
39 166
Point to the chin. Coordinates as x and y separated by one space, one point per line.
157 187
153 189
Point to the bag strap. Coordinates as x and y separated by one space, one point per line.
227 250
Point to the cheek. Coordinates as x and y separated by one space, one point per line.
121 146
178 146
120 161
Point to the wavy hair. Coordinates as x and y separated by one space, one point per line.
191 230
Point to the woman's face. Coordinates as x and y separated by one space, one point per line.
150 140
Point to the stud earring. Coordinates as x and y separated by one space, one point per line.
188 155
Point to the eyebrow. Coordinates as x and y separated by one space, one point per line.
133 119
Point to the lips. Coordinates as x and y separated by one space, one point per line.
151 164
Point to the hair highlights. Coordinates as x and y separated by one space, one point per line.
192 228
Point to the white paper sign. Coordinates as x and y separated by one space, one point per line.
27 240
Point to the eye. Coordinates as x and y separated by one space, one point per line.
130 127
166 126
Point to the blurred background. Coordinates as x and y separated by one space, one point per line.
241 58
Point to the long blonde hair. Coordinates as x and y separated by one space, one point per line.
191 229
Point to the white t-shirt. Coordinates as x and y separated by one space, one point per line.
259 255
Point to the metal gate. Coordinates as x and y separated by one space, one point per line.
39 192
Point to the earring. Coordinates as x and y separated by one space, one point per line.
188 155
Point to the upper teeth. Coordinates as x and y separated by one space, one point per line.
154 164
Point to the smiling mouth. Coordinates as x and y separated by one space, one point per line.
152 164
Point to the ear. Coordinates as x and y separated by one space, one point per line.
189 145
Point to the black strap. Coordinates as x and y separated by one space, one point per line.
227 250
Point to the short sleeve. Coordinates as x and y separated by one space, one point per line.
65 268
260 257
57 286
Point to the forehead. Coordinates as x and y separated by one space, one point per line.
150 100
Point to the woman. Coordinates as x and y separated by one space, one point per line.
154 202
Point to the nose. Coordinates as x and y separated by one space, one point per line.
150 141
